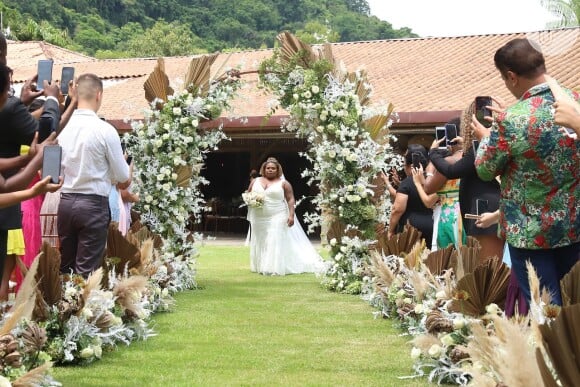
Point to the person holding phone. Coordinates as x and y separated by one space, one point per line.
92 161
539 170
408 205
447 220
471 188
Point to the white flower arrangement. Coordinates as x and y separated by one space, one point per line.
253 199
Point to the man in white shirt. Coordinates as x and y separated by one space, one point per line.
92 161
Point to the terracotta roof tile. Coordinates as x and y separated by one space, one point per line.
24 54
416 75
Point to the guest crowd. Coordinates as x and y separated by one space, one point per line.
509 180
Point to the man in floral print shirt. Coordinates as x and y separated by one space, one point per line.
539 169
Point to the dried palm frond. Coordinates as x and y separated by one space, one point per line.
439 261
326 54
498 352
184 174
119 247
92 283
362 89
293 49
34 377
570 286
464 260
399 243
384 276
487 284
26 296
435 323
377 125
48 274
128 292
33 337
198 74
561 341
157 84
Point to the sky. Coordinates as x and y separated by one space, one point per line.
462 17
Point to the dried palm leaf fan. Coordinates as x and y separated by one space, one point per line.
118 246
184 174
361 86
439 261
326 54
413 257
157 84
570 286
48 274
561 339
198 74
377 126
470 258
294 50
141 233
399 243
485 285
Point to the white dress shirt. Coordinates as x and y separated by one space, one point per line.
92 158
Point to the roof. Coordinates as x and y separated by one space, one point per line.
427 79
24 54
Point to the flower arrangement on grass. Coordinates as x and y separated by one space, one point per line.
169 146
450 303
348 148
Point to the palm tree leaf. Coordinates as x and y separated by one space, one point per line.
157 84
399 243
561 340
199 73
439 261
119 247
570 286
48 274
293 49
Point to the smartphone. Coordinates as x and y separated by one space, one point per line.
481 206
450 134
416 157
51 162
475 145
482 111
440 134
44 73
45 127
68 74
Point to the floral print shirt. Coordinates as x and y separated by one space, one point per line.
540 173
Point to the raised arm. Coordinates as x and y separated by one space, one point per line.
464 167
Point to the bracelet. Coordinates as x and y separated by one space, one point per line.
429 174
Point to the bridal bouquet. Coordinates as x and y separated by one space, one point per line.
253 199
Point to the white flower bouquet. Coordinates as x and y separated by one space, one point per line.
253 199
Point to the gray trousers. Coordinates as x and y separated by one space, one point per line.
82 222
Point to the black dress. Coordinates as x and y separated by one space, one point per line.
416 213
471 188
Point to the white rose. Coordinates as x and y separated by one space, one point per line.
177 111
158 142
434 351
333 242
184 120
98 351
87 353
339 167
166 187
87 313
307 94
160 176
194 122
493 309
166 126
441 294
315 89
165 136
174 176
407 300
351 157
295 96
148 198
447 340
418 308
415 353
338 257
331 154
164 292
323 116
320 128
458 323
330 127
345 152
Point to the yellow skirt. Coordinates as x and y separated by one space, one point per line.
15 242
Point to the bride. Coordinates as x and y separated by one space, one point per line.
278 245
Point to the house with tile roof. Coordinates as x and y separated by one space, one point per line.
429 81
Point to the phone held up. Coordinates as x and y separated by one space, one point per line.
439 135
416 160
44 73
450 134
482 111
51 160
68 74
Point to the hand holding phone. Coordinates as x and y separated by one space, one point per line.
481 206
450 134
481 110
68 74
440 135
51 160
416 160
44 73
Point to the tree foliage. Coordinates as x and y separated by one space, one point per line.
121 28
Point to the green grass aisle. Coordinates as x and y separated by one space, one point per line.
242 328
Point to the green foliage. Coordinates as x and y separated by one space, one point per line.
145 28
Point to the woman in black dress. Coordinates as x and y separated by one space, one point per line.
408 205
471 188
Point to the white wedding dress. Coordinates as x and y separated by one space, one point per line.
275 248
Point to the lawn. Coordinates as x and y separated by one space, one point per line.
242 328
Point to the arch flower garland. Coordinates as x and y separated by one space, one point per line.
348 148
168 149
